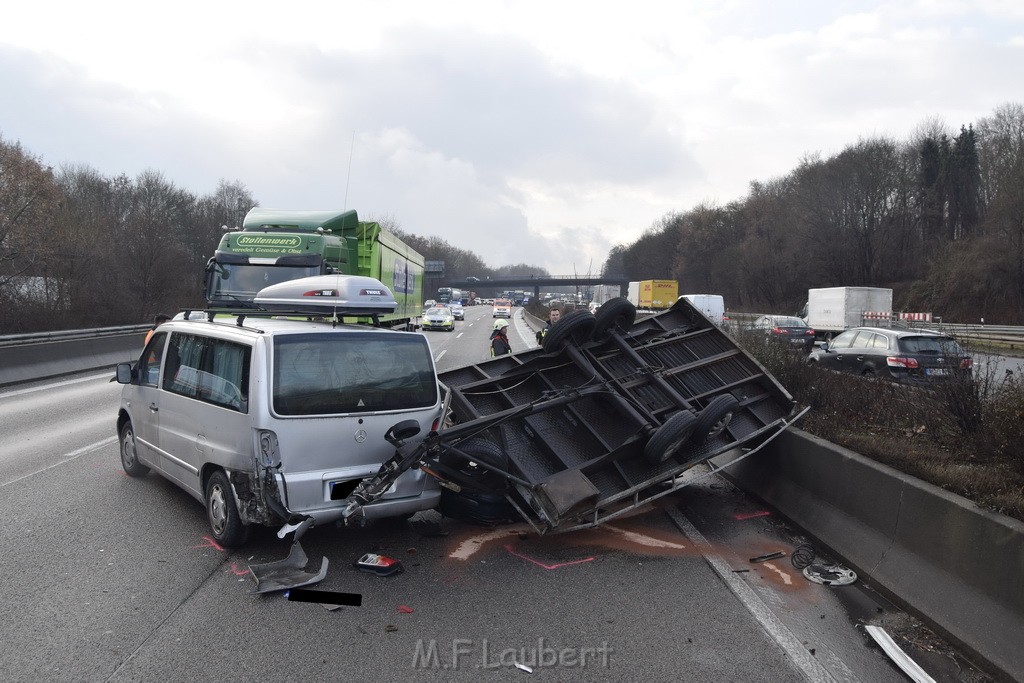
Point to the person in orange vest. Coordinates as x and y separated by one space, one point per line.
159 320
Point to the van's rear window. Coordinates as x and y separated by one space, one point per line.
321 374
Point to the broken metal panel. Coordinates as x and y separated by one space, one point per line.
287 573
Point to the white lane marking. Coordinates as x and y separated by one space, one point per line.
459 334
641 539
440 354
530 341
803 659
67 457
66 382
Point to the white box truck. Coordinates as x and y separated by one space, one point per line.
633 293
711 305
831 310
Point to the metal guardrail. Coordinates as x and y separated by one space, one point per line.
69 335
976 331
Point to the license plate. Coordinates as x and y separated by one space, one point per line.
933 372
796 341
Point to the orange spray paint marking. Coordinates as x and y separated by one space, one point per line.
238 572
210 543
547 566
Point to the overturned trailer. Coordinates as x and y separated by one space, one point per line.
604 418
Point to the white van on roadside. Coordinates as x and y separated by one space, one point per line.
711 305
274 420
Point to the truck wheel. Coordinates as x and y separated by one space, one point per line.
576 327
130 453
715 417
615 314
670 437
225 523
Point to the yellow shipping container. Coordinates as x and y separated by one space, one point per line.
658 294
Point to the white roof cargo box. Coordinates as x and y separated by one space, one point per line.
352 295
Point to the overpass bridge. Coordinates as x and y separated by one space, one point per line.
536 282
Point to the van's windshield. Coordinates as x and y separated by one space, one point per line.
322 374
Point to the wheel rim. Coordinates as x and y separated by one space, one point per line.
128 448
218 509
720 426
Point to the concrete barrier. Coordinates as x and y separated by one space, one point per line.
960 567
46 359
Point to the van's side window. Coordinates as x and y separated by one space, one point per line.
211 370
149 364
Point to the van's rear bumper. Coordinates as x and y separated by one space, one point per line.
309 494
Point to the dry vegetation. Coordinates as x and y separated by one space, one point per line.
966 437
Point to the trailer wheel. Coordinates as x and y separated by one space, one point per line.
488 507
576 327
670 437
480 449
615 314
715 417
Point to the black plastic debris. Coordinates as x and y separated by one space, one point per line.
770 556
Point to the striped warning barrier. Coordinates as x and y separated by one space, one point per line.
916 317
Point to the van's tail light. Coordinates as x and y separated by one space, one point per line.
435 424
966 364
900 362
269 452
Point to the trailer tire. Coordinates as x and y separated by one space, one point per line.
480 449
670 437
576 327
715 417
485 508
615 314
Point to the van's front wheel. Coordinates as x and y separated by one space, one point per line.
222 514
130 453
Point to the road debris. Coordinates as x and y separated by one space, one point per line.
830 574
286 573
381 565
803 556
770 556
897 655
402 609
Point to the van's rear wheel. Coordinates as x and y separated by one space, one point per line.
222 514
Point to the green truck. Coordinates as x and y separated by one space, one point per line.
276 245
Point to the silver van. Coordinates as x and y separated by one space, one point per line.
274 421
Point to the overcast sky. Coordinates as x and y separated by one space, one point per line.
543 132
